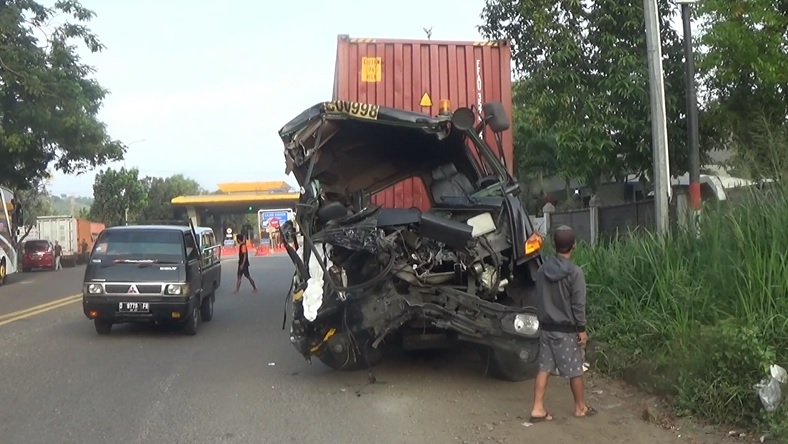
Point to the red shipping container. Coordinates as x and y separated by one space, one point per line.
416 75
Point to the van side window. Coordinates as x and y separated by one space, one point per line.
191 247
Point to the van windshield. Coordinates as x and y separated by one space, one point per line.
139 246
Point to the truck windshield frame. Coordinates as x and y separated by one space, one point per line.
488 159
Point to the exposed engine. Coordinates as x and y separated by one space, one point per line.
382 270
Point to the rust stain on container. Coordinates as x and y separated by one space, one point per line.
400 73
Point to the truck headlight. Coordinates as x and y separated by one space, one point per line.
177 289
526 324
95 289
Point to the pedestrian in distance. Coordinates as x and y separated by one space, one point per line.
243 265
561 306
85 252
58 253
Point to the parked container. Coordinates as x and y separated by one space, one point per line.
416 75
95 229
70 232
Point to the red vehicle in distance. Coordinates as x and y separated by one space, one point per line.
38 253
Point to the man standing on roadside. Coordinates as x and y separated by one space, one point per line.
561 304
85 252
243 265
58 253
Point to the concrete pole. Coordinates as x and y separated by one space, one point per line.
692 109
659 129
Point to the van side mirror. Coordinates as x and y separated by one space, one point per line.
495 116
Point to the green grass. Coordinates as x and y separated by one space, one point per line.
698 318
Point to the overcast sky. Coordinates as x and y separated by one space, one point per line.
202 89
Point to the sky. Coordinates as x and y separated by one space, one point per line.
202 89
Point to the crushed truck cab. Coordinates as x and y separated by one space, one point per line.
368 276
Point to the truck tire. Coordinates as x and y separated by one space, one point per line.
339 354
190 326
102 327
509 366
522 364
3 272
206 308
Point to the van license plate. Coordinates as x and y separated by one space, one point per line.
134 307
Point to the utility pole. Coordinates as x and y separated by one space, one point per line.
692 109
659 129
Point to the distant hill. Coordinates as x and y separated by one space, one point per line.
63 204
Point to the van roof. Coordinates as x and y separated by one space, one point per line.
149 227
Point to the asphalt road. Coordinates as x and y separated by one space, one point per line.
25 290
240 381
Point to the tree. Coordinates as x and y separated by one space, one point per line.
160 193
584 76
535 153
36 202
83 213
115 193
48 102
745 70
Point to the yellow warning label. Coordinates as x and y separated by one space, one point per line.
425 100
371 71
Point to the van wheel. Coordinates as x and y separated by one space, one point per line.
190 328
206 309
102 327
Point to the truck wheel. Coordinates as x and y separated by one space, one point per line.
206 309
513 366
190 327
102 327
523 363
3 273
339 354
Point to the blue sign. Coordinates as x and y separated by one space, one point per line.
266 217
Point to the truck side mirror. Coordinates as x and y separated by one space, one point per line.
463 119
495 116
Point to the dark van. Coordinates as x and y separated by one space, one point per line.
144 273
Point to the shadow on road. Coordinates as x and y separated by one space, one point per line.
140 330
461 366
19 277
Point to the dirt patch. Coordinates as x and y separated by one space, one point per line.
625 416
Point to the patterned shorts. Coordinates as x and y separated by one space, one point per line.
562 352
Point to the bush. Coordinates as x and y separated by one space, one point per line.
699 317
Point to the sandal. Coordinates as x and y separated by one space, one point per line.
590 411
547 417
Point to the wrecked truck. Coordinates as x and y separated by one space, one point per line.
368 277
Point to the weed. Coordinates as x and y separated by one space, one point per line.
699 317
